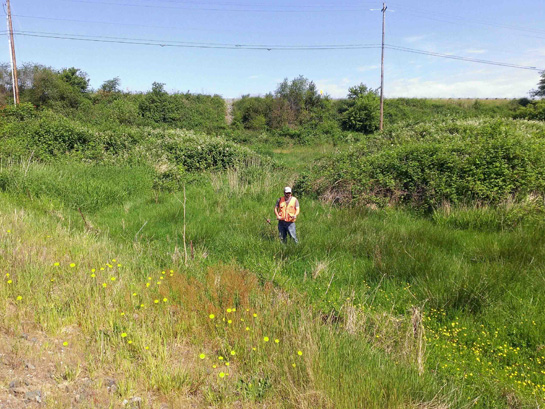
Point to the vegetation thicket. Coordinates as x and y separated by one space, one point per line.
484 161
67 92
124 281
540 91
172 155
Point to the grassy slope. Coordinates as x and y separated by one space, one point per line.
361 271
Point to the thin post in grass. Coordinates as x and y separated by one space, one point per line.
418 335
138 232
330 281
87 225
185 246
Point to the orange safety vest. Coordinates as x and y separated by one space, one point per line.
287 211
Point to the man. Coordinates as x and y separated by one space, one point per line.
287 210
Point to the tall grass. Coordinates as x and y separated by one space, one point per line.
108 312
347 293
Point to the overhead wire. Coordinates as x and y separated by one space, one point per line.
268 47
409 10
459 57
115 23
461 19
245 10
190 43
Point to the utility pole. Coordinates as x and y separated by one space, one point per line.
382 69
13 60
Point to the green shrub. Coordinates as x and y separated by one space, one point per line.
252 112
174 154
426 166
361 111
535 110
416 110
19 112
44 136
198 112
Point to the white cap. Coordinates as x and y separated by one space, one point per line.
287 189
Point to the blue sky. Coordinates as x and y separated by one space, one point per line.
500 31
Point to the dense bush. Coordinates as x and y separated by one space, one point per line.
535 110
402 110
361 111
427 166
294 104
252 112
42 136
67 92
17 112
26 134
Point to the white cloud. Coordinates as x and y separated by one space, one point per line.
368 68
335 88
499 86
414 39
475 51
536 52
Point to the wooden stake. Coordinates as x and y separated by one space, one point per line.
185 247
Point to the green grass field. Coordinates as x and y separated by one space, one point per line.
374 309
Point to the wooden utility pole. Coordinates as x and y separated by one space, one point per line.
13 59
382 69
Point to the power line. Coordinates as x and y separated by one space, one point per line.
460 58
464 20
149 41
245 10
268 47
252 4
161 43
412 11
115 23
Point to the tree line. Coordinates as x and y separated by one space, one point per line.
295 108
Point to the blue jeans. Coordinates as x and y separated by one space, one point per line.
285 228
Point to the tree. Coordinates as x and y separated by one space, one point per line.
361 111
75 78
157 106
300 97
540 91
111 86
48 87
